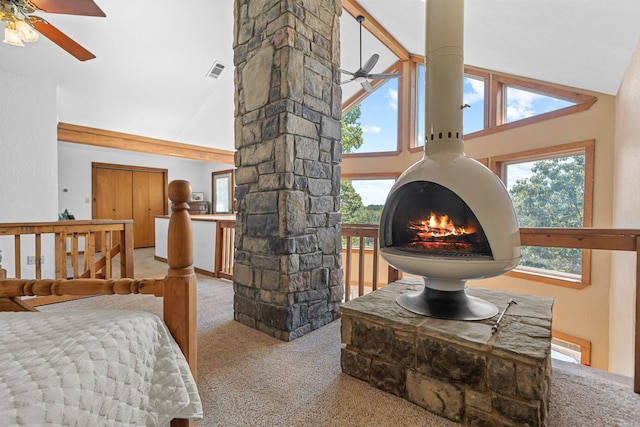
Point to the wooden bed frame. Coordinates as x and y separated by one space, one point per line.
178 287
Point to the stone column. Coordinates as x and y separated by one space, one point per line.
287 276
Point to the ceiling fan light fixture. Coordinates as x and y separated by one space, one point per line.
11 35
26 33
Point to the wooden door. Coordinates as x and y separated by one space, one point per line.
148 202
130 192
112 194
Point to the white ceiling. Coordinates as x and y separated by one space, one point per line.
149 77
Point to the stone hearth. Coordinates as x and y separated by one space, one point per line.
455 369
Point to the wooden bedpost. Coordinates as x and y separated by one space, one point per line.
180 282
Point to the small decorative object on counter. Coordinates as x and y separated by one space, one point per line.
65 215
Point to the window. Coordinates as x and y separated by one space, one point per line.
473 115
421 104
521 103
361 200
496 102
549 193
551 188
377 118
222 190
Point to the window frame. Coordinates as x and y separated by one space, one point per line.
587 148
359 96
585 346
231 191
497 87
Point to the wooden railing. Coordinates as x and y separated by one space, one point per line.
364 252
104 237
225 244
593 238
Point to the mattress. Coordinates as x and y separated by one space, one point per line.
107 367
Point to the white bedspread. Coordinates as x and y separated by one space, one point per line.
92 368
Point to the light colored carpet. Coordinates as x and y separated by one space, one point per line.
247 378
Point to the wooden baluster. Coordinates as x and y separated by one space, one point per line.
38 256
227 251
374 281
61 255
393 274
85 257
90 257
75 254
107 255
180 282
18 266
229 232
126 251
218 257
347 280
361 254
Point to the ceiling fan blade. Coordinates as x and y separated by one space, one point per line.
346 72
69 7
368 66
346 81
383 76
367 86
61 39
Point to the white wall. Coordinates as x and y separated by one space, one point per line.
28 176
74 165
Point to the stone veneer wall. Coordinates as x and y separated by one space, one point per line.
287 274
456 369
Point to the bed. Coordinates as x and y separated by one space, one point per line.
105 367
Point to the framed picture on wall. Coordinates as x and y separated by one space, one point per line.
197 196
222 192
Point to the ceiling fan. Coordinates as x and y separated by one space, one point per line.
363 75
21 25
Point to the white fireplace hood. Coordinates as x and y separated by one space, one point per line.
485 195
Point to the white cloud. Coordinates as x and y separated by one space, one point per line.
477 92
520 104
371 129
393 98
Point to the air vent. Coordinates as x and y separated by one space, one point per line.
215 70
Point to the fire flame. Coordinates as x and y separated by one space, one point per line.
437 226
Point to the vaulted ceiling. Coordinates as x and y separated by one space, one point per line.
149 77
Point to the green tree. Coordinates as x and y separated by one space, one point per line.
370 214
351 130
350 200
553 196
350 203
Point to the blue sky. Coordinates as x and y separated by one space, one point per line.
373 192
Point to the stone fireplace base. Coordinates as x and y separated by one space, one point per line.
455 369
